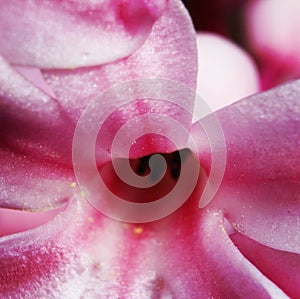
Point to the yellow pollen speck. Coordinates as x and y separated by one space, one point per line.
138 230
90 219
73 185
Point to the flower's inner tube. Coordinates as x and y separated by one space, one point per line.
141 166
165 177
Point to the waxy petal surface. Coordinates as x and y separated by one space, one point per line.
282 267
82 253
261 185
15 221
50 134
69 34
43 262
32 184
28 181
172 37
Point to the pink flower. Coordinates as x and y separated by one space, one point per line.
57 57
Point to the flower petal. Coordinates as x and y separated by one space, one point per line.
49 133
261 185
42 262
35 76
225 269
81 253
196 259
14 221
31 119
69 34
172 36
283 268
30 183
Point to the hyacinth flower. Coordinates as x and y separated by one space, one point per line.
56 59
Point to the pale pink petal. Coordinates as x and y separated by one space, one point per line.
18 92
28 182
283 268
226 73
261 185
69 34
15 221
35 76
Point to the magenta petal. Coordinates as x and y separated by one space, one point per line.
69 34
226 272
43 262
195 258
82 254
283 268
261 185
31 119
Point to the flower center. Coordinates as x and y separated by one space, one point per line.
141 166
163 176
